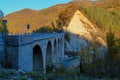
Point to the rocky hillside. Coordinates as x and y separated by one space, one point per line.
83 33
81 26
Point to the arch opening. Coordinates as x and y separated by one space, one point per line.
55 56
59 47
49 53
37 58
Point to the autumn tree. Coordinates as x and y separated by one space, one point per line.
62 20
65 16
3 26
44 29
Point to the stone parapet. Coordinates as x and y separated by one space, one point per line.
21 39
18 39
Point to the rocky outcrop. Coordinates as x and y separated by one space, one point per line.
81 26
82 33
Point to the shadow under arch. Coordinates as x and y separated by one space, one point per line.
37 58
55 56
49 53
59 47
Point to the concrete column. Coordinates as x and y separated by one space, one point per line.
62 52
57 57
58 47
44 58
25 57
53 51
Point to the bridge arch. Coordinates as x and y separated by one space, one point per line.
55 56
49 53
37 58
59 47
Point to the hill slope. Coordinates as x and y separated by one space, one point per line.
17 21
100 14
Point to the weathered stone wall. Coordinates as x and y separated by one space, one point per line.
71 62
25 57
18 51
11 50
12 55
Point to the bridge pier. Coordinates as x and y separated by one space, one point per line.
44 59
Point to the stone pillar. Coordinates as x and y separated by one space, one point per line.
44 58
25 52
62 45
25 57
57 57
53 52
59 48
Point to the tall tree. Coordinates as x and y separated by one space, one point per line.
62 19
111 43
65 16
111 54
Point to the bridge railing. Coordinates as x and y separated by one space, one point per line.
37 36
19 39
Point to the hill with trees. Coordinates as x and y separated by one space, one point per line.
100 19
17 21
104 14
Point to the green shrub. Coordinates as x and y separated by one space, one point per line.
60 70
45 29
4 26
95 69
20 79
3 74
49 68
8 65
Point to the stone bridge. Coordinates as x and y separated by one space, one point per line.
33 52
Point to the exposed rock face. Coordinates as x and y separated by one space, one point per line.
81 25
82 33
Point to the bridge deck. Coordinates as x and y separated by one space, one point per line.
37 36
20 39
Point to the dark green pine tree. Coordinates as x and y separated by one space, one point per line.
111 53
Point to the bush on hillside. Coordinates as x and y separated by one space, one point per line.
44 29
112 57
4 26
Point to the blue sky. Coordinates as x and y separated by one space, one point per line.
9 6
